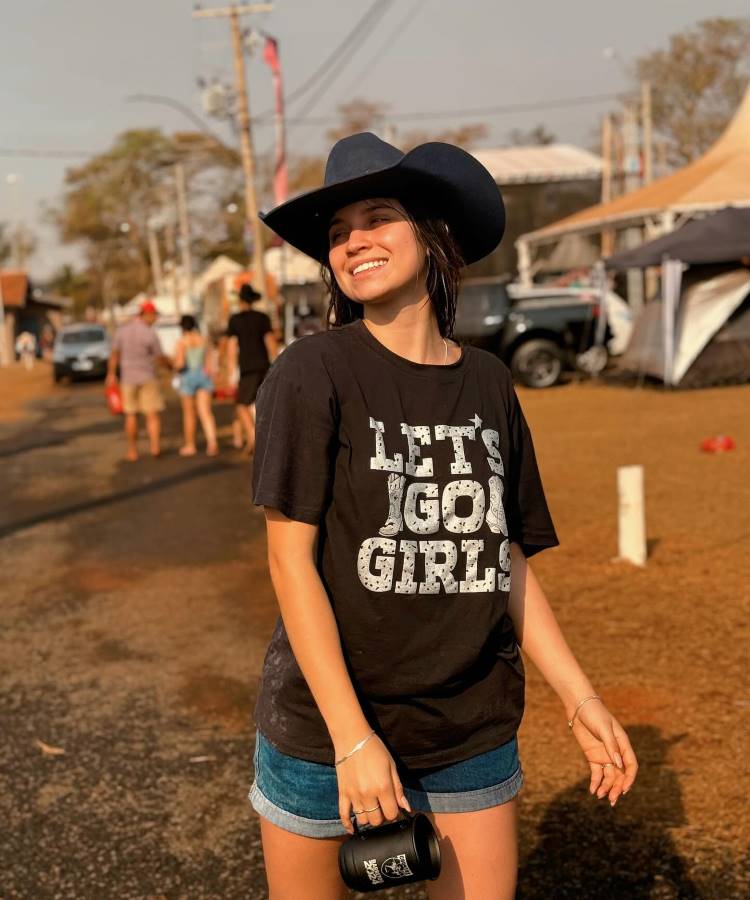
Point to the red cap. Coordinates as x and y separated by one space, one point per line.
148 307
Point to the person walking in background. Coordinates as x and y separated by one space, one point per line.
136 351
194 361
253 345
26 349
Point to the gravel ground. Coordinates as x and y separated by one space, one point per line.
136 609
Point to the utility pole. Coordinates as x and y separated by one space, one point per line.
607 237
632 182
661 149
153 252
182 214
243 115
651 276
646 128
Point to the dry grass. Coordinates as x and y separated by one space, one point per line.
666 644
19 387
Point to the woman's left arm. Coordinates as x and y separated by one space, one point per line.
599 734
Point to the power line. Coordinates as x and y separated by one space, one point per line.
333 57
351 49
48 154
563 103
393 36
180 107
560 103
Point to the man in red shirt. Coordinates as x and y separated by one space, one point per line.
136 351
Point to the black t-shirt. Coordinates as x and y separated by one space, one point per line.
419 476
249 327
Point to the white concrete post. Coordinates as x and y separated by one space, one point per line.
632 514
524 263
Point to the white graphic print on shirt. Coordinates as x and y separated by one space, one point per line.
421 507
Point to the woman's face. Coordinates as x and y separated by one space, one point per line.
373 253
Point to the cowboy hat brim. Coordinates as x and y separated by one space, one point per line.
446 180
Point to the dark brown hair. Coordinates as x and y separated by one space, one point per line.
444 263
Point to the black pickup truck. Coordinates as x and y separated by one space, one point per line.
538 332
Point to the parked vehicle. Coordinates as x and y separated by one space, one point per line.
80 350
538 332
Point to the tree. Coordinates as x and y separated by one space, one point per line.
538 136
358 115
16 245
113 199
67 282
6 246
697 82
465 136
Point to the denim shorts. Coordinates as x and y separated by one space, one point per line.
302 796
194 380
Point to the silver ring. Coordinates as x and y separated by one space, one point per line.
607 765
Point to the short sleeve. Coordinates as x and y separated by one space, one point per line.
265 325
529 520
232 327
296 434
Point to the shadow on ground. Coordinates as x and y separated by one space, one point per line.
581 849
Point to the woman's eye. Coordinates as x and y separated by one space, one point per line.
336 237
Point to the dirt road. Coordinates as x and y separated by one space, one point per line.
136 609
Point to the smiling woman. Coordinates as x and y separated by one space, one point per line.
414 245
402 500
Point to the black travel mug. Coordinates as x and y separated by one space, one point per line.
400 852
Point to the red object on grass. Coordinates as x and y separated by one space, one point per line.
114 399
717 444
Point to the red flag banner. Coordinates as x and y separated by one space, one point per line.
280 178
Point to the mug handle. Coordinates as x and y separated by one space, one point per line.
358 829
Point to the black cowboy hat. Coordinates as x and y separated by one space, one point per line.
248 294
442 179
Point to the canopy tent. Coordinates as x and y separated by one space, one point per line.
721 237
543 163
709 339
719 178
574 251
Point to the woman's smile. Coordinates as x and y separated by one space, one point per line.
368 268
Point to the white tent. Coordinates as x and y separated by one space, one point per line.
217 268
704 309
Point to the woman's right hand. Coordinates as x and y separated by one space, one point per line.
368 780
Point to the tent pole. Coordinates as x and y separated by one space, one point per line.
671 280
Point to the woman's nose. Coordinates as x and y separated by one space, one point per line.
358 239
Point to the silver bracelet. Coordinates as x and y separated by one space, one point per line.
572 719
354 749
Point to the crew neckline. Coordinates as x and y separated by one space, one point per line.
447 371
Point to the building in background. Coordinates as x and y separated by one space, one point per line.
28 308
539 184
718 179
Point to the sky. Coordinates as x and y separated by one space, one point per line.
69 67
